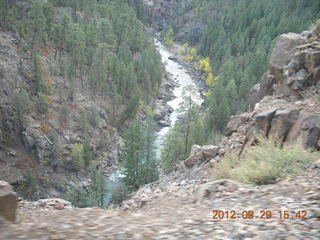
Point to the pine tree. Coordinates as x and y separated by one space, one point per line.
87 152
97 189
138 156
21 104
149 171
55 148
36 25
132 155
42 104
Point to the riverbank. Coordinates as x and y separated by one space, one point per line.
190 67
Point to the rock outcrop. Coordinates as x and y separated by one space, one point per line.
8 202
286 103
200 155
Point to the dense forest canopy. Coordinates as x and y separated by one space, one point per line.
232 54
96 49
100 43
238 37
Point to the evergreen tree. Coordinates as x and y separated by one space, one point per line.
21 104
97 189
77 156
138 155
36 25
42 104
87 152
55 148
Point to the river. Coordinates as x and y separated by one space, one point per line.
183 79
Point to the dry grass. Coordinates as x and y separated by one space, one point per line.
265 163
45 128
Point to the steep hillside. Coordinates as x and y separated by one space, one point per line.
73 75
188 204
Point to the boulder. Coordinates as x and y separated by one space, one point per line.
282 122
235 122
282 53
263 120
306 128
8 201
194 159
201 154
55 203
210 189
195 149
173 58
210 151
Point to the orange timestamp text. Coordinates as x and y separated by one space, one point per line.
263 214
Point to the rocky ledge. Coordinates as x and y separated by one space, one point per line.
163 110
285 104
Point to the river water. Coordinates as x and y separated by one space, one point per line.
183 78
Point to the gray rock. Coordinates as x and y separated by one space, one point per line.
8 202
282 122
263 120
201 154
282 53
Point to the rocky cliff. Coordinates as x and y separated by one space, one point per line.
286 102
25 151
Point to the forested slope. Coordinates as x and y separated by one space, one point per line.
229 43
73 75
238 37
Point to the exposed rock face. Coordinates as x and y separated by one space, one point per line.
25 149
159 12
262 89
8 202
283 52
286 103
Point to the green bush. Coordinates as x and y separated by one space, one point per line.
78 156
88 154
42 104
265 163
93 116
21 104
64 114
120 192
77 196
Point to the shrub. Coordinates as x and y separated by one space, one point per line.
21 104
169 37
77 156
83 121
265 163
88 153
55 148
64 114
93 116
77 196
42 104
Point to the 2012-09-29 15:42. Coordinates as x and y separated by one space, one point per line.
263 214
